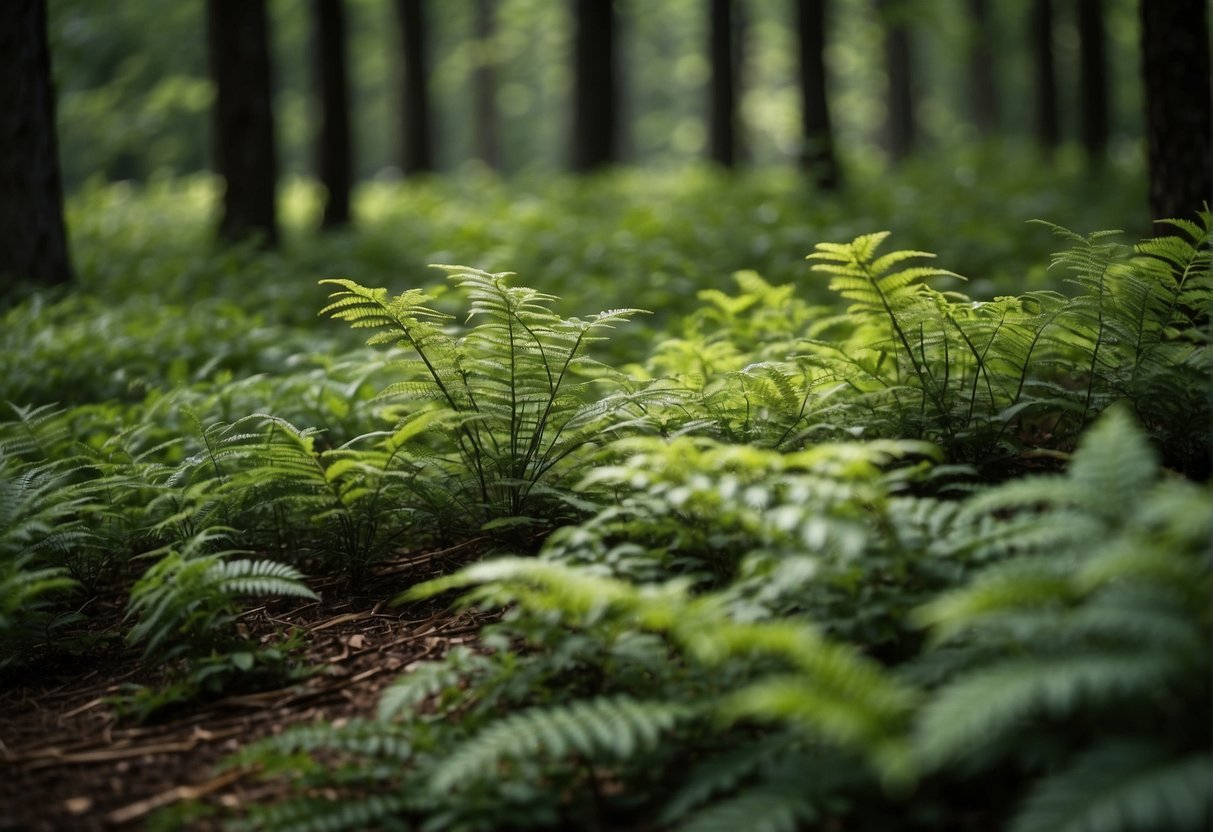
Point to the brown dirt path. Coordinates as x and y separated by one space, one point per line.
68 763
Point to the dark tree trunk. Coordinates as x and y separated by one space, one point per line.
1046 120
983 85
1093 78
416 155
723 110
484 84
594 94
333 151
33 242
1179 125
243 118
902 126
817 157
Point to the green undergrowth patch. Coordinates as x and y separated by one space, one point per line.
837 542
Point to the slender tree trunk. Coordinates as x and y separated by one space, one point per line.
902 126
484 86
723 110
243 118
983 84
333 147
1093 78
595 96
817 157
33 242
1046 120
417 155
1179 124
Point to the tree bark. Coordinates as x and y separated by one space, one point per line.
595 94
722 121
817 157
983 84
901 126
1046 120
1179 124
1093 78
243 118
484 87
416 155
333 147
33 241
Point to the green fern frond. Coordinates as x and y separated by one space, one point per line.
314 814
1122 787
613 728
259 577
773 808
987 704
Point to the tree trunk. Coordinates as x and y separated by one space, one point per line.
983 85
817 157
243 118
333 152
723 110
902 126
595 97
33 242
1179 125
484 87
416 155
1046 121
1093 79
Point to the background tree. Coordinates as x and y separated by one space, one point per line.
817 158
722 52
901 127
1179 125
1046 121
243 118
334 165
983 85
484 84
416 155
1093 78
33 242
595 93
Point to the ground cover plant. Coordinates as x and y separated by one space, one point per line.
912 534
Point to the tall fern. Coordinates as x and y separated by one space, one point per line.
519 392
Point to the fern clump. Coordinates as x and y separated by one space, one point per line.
517 396
185 608
1102 646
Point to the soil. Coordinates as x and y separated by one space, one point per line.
69 762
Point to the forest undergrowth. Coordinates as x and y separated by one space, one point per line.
851 541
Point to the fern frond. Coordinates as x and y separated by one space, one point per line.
1122 787
986 704
606 727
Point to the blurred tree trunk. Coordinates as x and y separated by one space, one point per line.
723 110
416 154
983 85
1046 120
243 118
901 126
1093 78
1179 125
33 242
595 97
333 152
817 157
484 86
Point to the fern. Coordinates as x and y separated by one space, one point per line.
518 390
601 729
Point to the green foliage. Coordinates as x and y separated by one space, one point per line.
515 394
1102 647
185 608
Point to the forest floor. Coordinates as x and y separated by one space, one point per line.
69 761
